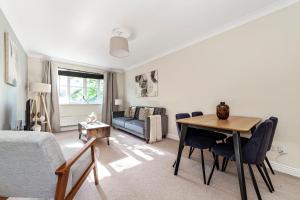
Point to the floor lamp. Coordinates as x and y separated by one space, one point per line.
40 89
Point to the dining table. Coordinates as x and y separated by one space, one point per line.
235 125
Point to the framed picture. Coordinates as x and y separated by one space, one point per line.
147 84
10 60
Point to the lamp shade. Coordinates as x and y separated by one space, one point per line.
119 47
118 102
40 87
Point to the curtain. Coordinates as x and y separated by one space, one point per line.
109 96
50 74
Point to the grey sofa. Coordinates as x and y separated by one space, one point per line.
138 127
33 165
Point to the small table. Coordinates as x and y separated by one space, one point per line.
234 125
95 129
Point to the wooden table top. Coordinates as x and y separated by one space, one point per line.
233 123
93 125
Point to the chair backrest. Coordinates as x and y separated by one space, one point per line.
255 150
180 116
197 113
275 121
28 161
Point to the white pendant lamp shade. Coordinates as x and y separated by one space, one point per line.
119 47
40 87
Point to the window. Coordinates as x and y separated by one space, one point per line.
80 87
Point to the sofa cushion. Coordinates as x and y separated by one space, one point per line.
133 110
120 121
143 113
135 125
127 112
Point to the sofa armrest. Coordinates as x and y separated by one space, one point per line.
164 126
118 114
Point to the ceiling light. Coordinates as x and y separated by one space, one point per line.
119 43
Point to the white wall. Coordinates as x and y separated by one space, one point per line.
12 99
71 114
255 68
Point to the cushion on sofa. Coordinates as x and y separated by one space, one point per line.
132 111
120 121
135 125
144 113
127 112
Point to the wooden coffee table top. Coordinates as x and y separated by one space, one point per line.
94 125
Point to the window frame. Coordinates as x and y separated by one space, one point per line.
84 91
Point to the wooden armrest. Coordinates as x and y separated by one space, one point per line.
68 164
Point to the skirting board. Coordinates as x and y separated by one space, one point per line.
173 136
285 169
276 166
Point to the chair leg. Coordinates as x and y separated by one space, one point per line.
212 171
226 163
254 182
269 164
191 151
174 164
223 164
203 166
267 175
217 161
264 178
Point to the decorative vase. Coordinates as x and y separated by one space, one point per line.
223 111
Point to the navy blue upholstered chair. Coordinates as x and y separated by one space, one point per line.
245 141
195 140
211 134
275 122
217 136
254 153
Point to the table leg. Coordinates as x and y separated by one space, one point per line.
239 164
80 131
107 140
180 147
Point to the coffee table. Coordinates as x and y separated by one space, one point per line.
96 129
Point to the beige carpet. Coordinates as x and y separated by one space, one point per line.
131 169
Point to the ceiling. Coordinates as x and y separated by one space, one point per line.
79 30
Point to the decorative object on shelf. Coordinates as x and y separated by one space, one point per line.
118 103
147 84
92 118
42 118
223 111
10 60
36 127
119 43
40 89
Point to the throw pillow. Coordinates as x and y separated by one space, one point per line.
151 111
132 111
127 112
142 114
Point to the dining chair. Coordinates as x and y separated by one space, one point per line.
216 135
254 153
245 141
211 134
195 140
